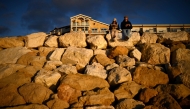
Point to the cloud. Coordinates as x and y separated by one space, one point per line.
4 29
43 16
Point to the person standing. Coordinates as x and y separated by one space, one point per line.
114 27
126 27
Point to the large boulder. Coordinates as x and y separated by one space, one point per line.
9 42
97 42
165 101
118 50
84 82
99 51
51 41
9 69
68 94
149 77
136 54
97 97
178 91
134 39
146 94
76 39
35 40
47 78
102 59
100 107
30 106
56 55
10 97
181 61
127 90
170 37
57 104
20 77
77 56
11 55
45 51
155 54
34 93
180 55
66 69
51 65
96 69
148 38
125 61
31 59
119 75
130 104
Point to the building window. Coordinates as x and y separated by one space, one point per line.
94 30
103 30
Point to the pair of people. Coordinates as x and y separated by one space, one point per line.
126 27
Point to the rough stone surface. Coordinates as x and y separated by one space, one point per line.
149 77
84 82
35 40
31 59
146 94
99 51
127 90
57 104
30 106
174 46
97 42
111 66
10 97
9 42
119 75
66 69
47 78
34 93
165 101
103 59
136 54
56 55
100 107
96 69
130 104
178 91
51 41
76 39
148 38
100 97
51 65
181 60
184 103
6 70
77 56
11 55
170 37
134 39
119 50
155 54
68 94
124 61
19 78
45 51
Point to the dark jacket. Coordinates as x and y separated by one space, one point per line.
114 26
124 23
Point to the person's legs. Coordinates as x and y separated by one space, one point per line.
116 35
129 33
112 34
124 34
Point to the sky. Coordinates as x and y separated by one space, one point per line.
22 17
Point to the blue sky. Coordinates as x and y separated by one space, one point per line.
22 17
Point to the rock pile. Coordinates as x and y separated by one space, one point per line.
76 72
